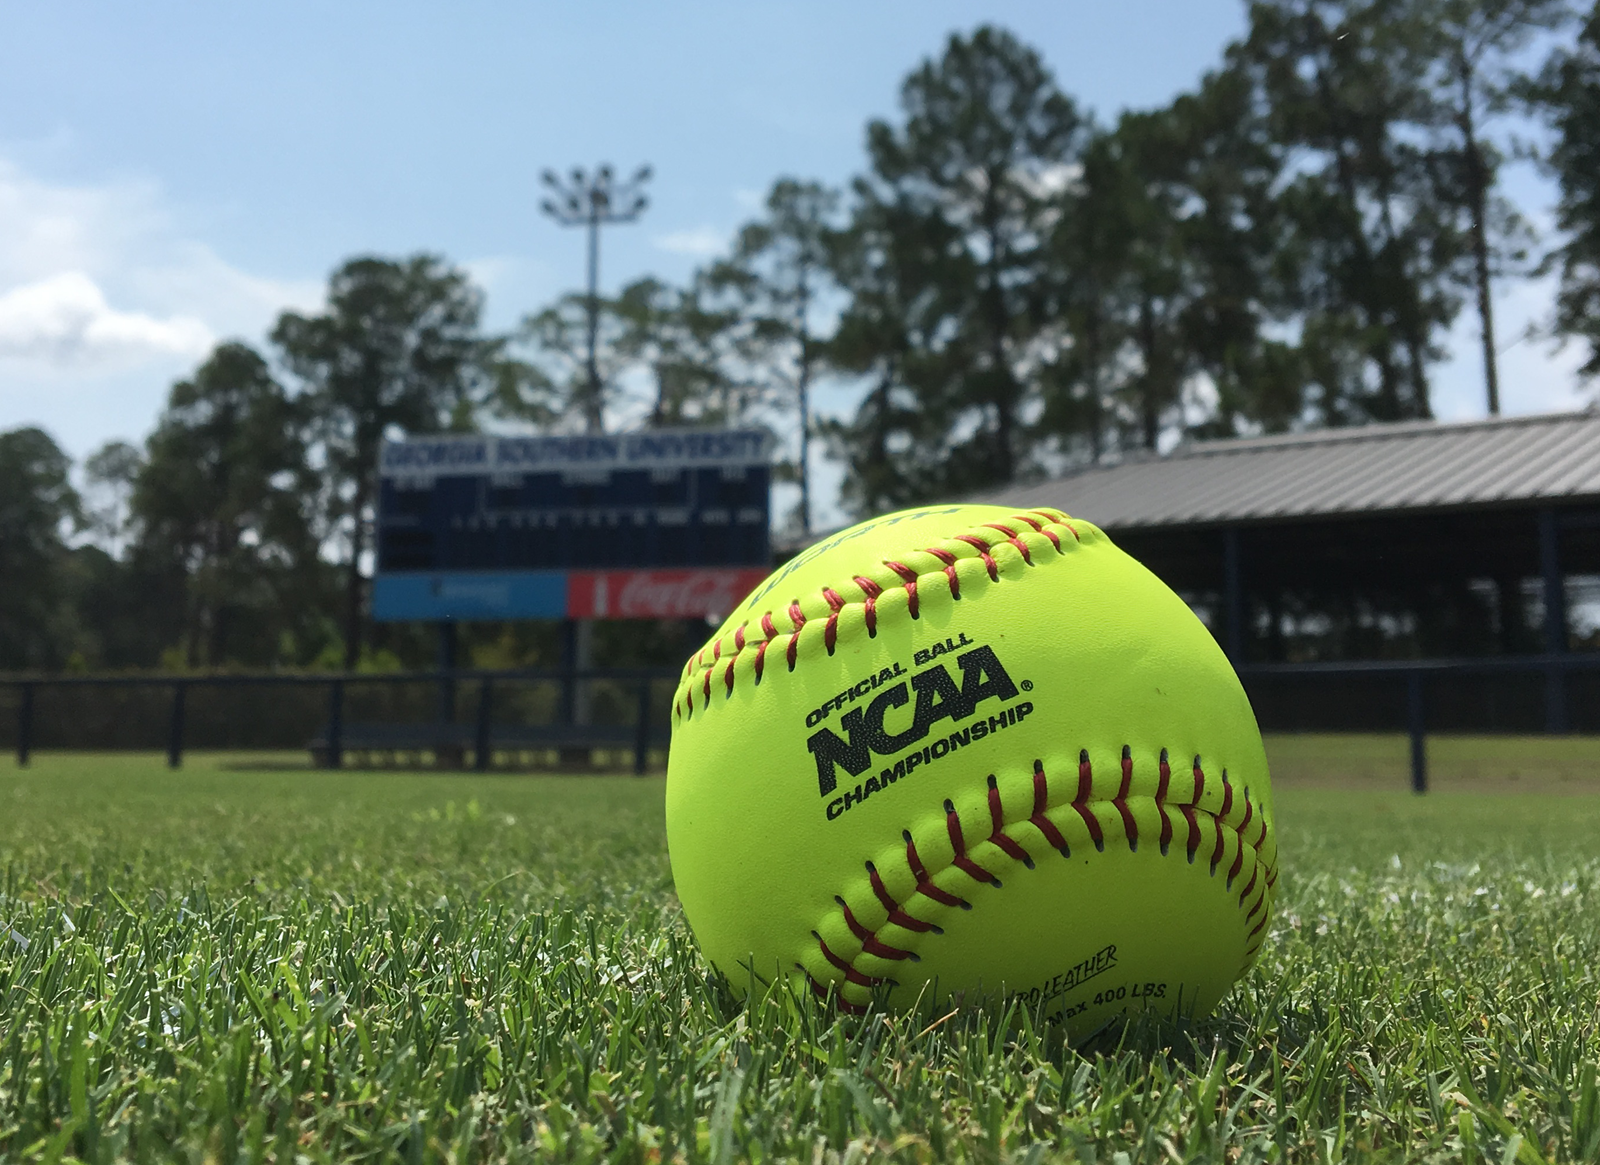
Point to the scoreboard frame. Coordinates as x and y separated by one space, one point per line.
646 524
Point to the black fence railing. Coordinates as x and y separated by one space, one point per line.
1512 694
451 716
447 715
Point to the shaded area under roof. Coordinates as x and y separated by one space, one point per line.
1370 470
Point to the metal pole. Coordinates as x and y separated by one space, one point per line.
569 664
480 749
1416 722
593 417
175 727
641 739
25 726
336 725
1555 621
446 750
1232 596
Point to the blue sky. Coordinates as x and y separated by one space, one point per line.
175 173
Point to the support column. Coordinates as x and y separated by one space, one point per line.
448 752
577 655
1555 620
25 726
1417 730
175 726
1232 597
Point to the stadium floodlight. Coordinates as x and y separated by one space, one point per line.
593 201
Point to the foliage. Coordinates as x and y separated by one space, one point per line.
239 964
37 507
398 350
1570 93
1009 289
987 141
776 277
1473 77
223 496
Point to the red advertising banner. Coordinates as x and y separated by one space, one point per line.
658 594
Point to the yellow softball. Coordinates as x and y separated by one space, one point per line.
970 751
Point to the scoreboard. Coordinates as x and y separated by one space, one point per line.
650 523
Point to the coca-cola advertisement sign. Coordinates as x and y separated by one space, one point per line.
658 594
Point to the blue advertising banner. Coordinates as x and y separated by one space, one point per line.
475 595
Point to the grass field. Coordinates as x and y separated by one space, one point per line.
231 963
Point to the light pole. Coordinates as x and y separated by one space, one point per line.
593 201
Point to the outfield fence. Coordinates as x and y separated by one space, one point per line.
442 717
531 717
1525 695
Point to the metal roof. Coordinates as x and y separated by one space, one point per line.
1371 469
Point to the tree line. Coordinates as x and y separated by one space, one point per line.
1014 287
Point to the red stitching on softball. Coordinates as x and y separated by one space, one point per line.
1081 801
952 822
793 652
870 941
1192 845
1041 800
1163 781
1238 864
997 833
1130 827
1251 885
851 975
873 945
949 561
728 676
761 655
830 633
983 553
830 992
871 590
925 884
1011 537
1060 519
897 914
909 577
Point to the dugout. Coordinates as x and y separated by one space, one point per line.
1474 542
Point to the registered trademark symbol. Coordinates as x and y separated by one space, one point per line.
1027 685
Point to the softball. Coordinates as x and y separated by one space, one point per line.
967 752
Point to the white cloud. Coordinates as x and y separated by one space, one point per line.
701 242
65 320
108 295
104 270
